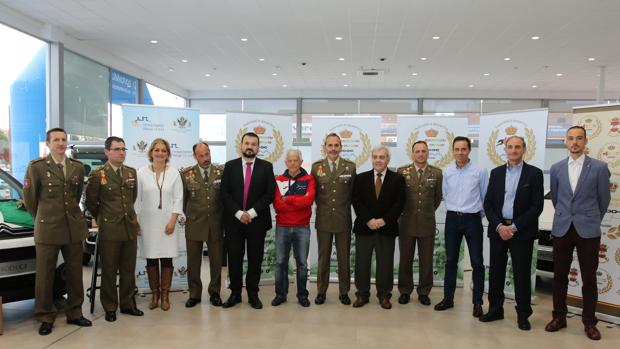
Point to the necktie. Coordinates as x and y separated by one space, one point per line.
246 183
62 169
334 167
118 172
378 184
205 175
420 173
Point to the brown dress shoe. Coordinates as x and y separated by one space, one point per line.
477 312
360 302
592 332
385 303
555 325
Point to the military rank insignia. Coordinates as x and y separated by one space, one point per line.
104 178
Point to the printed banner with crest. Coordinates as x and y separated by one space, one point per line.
274 131
602 124
359 135
179 126
438 132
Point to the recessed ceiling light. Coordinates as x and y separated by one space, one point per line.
535 37
224 86
207 74
423 58
408 85
274 74
184 61
244 39
285 85
414 74
592 59
470 86
345 85
341 59
154 41
506 58
534 86
559 74
343 74
436 38
486 74
170 69
338 38
261 59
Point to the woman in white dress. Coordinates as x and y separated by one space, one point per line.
158 205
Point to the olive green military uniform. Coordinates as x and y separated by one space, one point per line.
110 196
417 226
203 212
333 219
52 196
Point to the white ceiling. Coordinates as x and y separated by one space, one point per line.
475 37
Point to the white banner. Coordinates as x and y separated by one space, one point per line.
274 131
359 134
494 128
179 126
438 132
602 124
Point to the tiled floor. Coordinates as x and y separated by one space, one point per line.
331 325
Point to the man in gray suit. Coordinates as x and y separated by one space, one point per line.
580 195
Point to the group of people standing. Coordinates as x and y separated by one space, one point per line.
229 207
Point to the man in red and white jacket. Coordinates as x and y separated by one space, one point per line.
294 196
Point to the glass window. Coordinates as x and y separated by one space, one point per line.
124 90
499 105
330 106
213 127
217 106
154 95
273 106
23 99
87 96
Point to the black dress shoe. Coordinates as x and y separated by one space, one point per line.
45 328
424 300
344 299
304 302
320 299
385 303
231 301
190 303
492 315
404 298
255 302
278 300
110 316
360 302
444 304
215 300
524 324
477 310
81 321
132 311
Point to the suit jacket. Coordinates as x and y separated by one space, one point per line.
110 199
202 203
388 206
423 198
260 195
53 200
333 195
585 207
528 203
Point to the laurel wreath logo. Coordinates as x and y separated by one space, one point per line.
609 283
444 160
600 156
364 155
495 158
275 154
596 130
618 256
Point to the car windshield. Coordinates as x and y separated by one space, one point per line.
9 188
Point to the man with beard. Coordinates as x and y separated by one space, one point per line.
203 212
247 190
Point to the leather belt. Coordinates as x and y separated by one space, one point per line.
463 213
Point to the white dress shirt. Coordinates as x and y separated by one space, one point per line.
244 165
574 170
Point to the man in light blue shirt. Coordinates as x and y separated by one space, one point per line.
464 187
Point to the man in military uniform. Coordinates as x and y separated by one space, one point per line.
110 195
203 212
417 223
334 178
52 191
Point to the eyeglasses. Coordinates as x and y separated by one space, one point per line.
119 149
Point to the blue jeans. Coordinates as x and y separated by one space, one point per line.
470 226
299 238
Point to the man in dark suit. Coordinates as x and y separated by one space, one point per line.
378 200
580 195
513 202
247 190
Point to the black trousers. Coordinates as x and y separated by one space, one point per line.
237 242
521 256
383 247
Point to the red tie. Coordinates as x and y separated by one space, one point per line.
246 183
